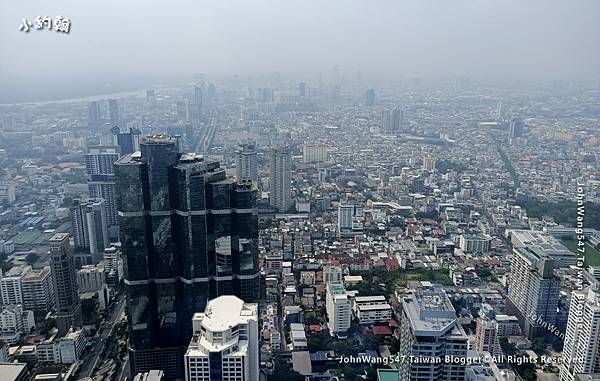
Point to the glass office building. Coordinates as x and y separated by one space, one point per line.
189 234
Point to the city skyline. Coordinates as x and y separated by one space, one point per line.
263 190
384 41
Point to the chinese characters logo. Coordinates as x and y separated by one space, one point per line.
61 24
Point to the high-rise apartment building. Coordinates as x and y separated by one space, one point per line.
189 234
11 285
581 351
370 97
430 330
150 96
90 226
392 120
515 128
246 162
339 309
397 120
113 111
302 89
94 114
64 281
280 182
533 290
99 169
38 291
314 153
225 342
386 120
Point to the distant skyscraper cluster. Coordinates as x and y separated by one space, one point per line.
95 117
189 234
392 120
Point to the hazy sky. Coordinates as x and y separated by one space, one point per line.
132 44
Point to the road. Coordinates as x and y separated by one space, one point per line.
125 371
93 355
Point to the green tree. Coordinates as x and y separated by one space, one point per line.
538 345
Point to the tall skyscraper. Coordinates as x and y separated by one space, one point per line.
212 91
392 120
99 168
302 89
90 226
225 343
515 128
193 108
94 115
370 98
150 96
38 292
113 110
64 281
266 94
397 120
197 95
429 329
189 234
386 120
533 290
281 178
581 351
246 162
128 142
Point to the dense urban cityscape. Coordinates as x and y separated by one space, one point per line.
234 232
300 190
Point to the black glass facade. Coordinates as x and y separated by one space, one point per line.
189 233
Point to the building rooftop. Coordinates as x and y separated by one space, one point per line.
367 299
301 363
58 237
431 313
225 312
12 371
159 139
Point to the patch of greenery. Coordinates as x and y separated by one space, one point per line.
564 212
